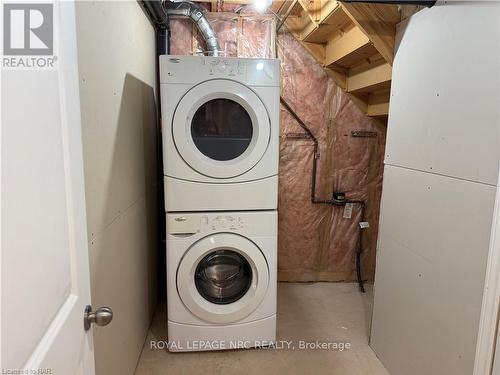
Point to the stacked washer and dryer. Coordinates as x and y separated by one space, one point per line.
220 124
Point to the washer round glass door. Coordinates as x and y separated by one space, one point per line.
221 128
222 278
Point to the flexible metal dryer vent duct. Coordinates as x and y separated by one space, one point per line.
197 14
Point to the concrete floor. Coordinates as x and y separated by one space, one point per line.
324 312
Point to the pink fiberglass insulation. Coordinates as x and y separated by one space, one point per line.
181 41
241 35
315 241
225 26
257 37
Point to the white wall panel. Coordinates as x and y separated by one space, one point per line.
444 109
431 260
116 50
124 277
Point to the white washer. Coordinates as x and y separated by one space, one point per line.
221 280
220 125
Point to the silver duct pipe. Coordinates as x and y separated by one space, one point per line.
193 11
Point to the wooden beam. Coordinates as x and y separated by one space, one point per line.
374 78
294 25
315 9
307 13
316 50
328 10
308 28
332 19
378 110
360 101
348 45
351 42
278 7
378 104
338 77
378 22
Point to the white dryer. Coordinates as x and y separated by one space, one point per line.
220 125
221 280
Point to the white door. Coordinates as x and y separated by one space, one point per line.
44 260
221 128
222 278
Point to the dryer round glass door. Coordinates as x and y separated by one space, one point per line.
221 128
222 278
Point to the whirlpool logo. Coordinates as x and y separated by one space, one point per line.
28 36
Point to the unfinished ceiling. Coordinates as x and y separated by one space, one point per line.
353 42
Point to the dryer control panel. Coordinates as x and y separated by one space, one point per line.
219 66
196 69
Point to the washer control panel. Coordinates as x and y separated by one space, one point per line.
189 224
184 225
222 223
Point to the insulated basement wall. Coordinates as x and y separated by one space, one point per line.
440 182
116 51
315 242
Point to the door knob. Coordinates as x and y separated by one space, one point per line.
102 316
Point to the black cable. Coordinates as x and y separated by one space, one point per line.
359 245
